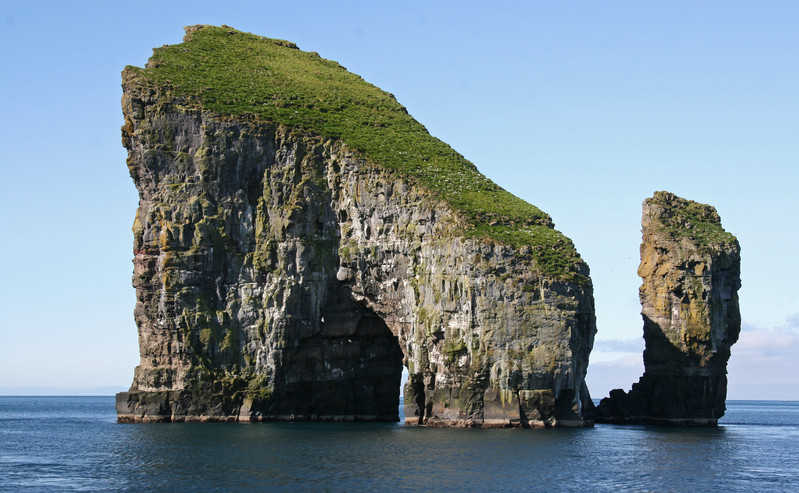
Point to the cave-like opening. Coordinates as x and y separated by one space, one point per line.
378 374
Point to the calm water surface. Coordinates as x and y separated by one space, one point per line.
75 444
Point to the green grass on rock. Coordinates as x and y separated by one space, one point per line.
233 73
682 218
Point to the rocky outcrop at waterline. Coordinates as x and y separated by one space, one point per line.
690 269
300 239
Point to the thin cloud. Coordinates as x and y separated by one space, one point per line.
765 363
621 373
635 345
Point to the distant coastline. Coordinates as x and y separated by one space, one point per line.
58 392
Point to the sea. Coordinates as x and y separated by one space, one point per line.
75 444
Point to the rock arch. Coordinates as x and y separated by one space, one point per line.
260 250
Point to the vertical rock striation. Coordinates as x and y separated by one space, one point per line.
690 269
281 274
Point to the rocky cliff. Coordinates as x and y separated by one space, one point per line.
690 269
300 239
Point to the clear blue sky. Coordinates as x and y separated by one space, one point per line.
582 108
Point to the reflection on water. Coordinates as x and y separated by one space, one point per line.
75 444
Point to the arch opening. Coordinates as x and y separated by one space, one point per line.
403 383
349 370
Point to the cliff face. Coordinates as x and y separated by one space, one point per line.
282 275
690 269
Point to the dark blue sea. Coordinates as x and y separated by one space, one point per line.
75 444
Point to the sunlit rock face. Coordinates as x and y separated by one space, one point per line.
280 275
690 269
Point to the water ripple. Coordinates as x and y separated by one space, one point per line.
74 445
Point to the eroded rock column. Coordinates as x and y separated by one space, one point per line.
690 268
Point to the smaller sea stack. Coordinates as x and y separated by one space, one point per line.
690 268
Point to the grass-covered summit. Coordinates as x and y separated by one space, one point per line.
242 75
681 218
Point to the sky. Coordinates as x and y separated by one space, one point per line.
583 108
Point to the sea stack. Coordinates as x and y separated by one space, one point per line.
300 239
690 268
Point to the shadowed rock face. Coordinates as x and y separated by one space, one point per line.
281 276
690 269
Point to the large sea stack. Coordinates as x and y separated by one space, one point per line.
300 238
691 274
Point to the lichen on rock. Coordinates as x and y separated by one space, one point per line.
298 243
690 269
